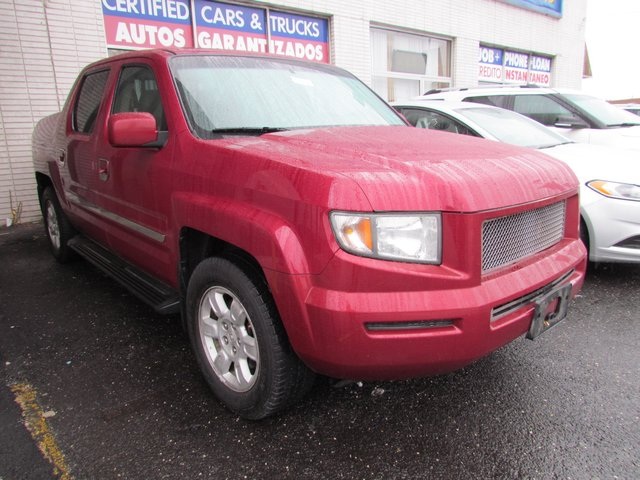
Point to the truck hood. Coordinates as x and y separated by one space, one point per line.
410 169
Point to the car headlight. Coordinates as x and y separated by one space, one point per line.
624 191
407 237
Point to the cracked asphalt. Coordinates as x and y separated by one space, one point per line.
121 395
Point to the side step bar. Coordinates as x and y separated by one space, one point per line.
161 297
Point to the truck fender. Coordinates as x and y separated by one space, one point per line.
260 233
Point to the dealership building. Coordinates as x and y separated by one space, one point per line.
400 48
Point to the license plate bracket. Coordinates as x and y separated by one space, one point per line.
550 309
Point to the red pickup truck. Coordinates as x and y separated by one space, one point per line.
299 225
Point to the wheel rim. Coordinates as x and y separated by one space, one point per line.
228 337
53 228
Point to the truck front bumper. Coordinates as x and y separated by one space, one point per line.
412 332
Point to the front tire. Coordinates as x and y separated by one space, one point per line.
57 226
239 341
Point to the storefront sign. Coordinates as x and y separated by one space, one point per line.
539 71
548 7
503 66
516 67
147 23
230 27
298 36
490 65
214 25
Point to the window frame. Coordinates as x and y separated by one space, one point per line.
426 81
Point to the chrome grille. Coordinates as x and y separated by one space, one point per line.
508 239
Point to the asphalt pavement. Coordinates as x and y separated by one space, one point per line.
110 390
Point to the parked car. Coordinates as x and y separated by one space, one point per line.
609 177
582 118
299 225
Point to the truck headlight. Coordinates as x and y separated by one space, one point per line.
624 191
407 237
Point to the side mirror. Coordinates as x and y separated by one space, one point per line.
133 129
566 121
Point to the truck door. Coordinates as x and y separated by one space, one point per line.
76 161
134 182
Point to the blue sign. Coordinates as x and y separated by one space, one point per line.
173 11
230 17
540 64
548 7
490 56
516 60
297 26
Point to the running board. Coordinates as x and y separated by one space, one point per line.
160 296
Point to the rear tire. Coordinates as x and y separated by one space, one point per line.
239 341
57 226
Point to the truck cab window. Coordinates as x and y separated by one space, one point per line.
88 101
138 92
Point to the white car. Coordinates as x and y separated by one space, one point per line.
609 177
580 117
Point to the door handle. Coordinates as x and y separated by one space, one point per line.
62 156
103 169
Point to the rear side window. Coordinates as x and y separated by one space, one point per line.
88 101
541 108
501 101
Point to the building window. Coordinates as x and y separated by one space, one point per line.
406 65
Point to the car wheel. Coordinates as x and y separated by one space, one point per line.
57 226
239 341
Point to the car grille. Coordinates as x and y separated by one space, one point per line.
506 240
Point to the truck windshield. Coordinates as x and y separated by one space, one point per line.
251 96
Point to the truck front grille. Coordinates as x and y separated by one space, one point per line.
506 240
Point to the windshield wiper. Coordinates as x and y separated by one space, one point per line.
625 124
551 145
248 130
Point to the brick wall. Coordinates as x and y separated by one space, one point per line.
43 46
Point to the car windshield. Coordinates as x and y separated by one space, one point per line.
603 111
248 95
513 128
